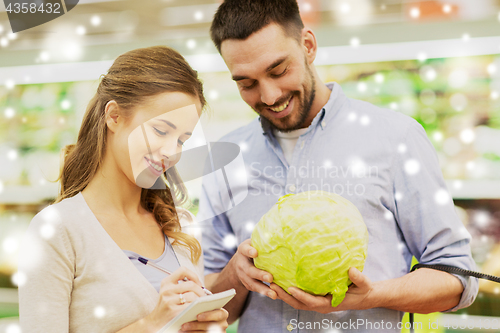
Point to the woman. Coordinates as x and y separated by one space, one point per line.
80 257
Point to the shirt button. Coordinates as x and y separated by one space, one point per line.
292 188
289 327
302 145
323 123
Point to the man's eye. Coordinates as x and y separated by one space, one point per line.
248 86
159 132
280 74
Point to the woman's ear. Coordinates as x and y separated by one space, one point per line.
112 114
310 45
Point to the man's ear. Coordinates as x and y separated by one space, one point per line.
310 45
112 114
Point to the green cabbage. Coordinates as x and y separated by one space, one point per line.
309 240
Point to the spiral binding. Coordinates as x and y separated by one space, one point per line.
454 270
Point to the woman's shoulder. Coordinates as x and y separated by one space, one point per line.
64 213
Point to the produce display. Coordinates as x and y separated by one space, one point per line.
310 240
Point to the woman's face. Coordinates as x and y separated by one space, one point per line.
152 140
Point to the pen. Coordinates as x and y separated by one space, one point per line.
147 263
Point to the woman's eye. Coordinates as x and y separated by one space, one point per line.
159 132
180 143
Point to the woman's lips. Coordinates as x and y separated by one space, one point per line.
153 170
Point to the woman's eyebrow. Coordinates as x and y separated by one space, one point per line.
172 125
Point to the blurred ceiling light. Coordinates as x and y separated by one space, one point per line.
63 46
362 87
437 136
458 78
422 56
9 113
383 6
458 102
185 15
465 37
11 36
345 8
9 84
415 12
467 136
198 15
306 7
310 11
447 9
379 78
95 20
44 56
492 69
355 42
4 42
12 155
65 104
213 95
494 95
354 12
428 73
80 30
191 44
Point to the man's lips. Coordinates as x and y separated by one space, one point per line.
282 113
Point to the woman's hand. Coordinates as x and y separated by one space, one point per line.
174 297
207 322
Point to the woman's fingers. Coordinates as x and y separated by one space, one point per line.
181 273
185 287
206 320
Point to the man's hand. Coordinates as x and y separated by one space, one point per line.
247 274
354 298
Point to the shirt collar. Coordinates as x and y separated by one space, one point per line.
336 100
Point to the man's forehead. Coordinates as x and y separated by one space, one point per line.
257 52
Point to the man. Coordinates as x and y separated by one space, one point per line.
310 136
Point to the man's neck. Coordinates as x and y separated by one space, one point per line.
321 98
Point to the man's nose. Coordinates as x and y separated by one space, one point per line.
269 93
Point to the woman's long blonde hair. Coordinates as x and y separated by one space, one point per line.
133 77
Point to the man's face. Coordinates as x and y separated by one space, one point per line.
273 76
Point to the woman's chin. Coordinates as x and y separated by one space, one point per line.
150 182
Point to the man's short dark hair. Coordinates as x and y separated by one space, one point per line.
238 19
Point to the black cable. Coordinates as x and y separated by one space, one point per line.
454 270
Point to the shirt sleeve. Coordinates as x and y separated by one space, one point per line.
47 266
216 229
425 211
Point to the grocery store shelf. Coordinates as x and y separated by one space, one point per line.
474 189
9 295
28 195
92 70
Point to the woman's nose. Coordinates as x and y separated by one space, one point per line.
169 151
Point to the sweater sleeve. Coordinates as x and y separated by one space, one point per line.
47 262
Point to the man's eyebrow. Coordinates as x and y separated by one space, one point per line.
270 68
276 64
172 125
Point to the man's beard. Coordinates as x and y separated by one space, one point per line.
282 124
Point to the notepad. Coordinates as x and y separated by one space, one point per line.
202 304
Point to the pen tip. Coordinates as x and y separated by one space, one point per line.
142 260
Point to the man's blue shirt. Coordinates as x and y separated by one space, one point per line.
380 160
